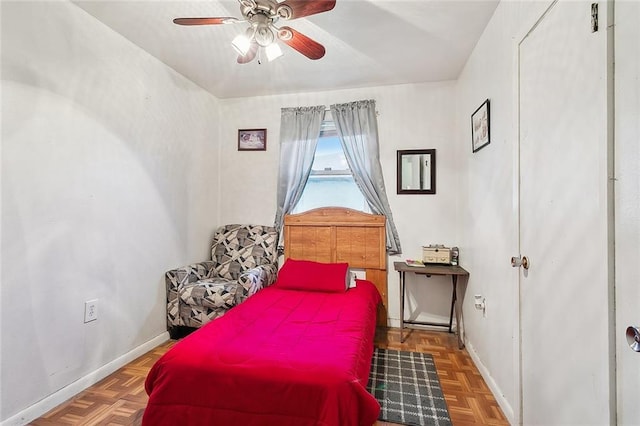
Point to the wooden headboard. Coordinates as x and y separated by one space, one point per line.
333 234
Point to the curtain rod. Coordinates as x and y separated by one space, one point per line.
329 110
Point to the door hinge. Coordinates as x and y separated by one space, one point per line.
594 17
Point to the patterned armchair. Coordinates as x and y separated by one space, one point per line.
244 259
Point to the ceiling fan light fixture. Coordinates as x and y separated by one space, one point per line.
263 35
273 51
241 43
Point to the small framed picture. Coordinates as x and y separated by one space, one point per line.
480 135
252 140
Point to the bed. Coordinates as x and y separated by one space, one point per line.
296 353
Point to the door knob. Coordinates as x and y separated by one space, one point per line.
518 261
633 338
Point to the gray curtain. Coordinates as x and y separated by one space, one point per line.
299 132
357 128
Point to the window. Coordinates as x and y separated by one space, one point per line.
331 182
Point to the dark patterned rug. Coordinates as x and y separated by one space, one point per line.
407 387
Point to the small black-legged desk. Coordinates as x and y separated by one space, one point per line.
429 270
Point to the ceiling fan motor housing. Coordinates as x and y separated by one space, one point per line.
262 14
250 8
270 8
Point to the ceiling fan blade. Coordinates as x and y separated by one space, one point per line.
300 42
250 55
302 8
205 21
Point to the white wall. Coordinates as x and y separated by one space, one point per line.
108 179
410 116
490 216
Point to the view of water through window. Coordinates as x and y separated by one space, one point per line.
331 182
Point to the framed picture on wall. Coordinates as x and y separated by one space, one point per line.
252 140
480 135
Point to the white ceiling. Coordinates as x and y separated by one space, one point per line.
368 43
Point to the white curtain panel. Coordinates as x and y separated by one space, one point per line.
299 133
357 127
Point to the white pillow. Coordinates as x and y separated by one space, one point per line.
351 280
354 274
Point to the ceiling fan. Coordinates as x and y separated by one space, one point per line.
262 16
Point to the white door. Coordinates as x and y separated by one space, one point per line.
564 300
627 126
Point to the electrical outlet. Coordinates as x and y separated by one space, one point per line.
481 304
90 310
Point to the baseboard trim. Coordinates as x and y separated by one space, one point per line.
495 390
47 404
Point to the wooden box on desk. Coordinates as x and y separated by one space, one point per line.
436 254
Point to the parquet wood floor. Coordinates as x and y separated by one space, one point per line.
120 399
468 397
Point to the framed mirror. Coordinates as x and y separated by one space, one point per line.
416 171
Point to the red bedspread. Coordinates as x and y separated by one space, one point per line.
283 357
